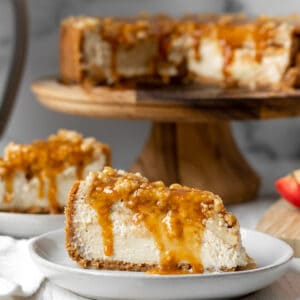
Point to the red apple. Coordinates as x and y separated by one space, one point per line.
289 187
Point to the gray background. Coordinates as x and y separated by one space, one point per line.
273 147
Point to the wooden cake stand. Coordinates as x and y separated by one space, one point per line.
191 140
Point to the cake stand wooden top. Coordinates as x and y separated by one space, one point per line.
167 104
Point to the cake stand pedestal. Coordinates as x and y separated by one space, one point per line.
191 140
201 155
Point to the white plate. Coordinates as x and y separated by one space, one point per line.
271 255
295 265
29 225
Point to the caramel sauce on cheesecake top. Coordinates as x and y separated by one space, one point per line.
175 216
231 32
45 160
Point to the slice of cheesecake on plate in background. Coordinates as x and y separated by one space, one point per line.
37 177
121 221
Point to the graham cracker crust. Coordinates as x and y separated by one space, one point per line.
70 54
101 264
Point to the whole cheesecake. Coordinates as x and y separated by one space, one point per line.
36 178
220 50
121 221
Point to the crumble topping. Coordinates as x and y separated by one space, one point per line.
175 216
179 39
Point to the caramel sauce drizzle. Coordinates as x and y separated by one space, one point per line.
232 31
45 160
234 36
175 216
127 31
8 188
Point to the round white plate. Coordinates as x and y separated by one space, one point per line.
28 225
272 256
295 265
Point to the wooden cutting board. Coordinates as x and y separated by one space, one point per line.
282 220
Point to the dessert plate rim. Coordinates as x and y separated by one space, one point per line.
27 225
49 254
41 215
33 248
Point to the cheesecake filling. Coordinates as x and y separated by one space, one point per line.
176 229
133 243
224 50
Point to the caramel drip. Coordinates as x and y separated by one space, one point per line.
232 31
175 216
41 186
54 206
45 160
237 36
79 170
8 187
126 32
9 184
262 36
103 208
231 38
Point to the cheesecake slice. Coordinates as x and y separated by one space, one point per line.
121 221
36 178
220 50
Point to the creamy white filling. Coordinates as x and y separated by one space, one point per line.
134 244
138 60
207 64
129 62
210 62
25 192
249 72
97 55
